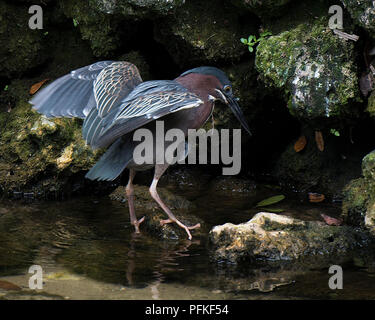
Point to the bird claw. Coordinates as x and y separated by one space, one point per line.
166 221
187 229
137 223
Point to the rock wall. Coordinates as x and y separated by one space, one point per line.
300 79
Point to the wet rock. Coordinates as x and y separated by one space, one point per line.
203 31
311 170
228 186
359 199
185 180
263 8
276 239
146 206
362 12
318 83
145 201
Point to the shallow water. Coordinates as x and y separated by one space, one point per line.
88 250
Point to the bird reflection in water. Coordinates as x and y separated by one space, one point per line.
167 261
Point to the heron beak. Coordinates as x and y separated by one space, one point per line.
234 106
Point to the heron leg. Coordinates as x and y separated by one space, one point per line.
130 195
159 170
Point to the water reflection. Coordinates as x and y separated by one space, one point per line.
94 240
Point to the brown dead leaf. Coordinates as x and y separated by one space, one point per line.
300 144
331 221
6 285
35 87
316 197
319 140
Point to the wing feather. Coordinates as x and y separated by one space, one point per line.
75 94
113 84
147 102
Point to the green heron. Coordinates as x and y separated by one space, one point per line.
113 101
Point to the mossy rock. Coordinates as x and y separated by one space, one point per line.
95 26
21 47
139 9
32 146
362 12
263 8
371 104
109 24
277 239
203 32
312 170
314 67
359 196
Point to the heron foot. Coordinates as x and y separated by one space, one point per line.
136 224
181 225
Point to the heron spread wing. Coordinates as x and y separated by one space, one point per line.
113 84
77 93
148 101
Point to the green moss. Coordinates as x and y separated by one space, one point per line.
313 66
21 48
371 105
270 225
203 31
362 12
359 194
355 202
30 146
94 25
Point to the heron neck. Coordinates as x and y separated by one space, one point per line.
202 86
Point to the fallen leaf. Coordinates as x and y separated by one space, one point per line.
300 144
331 221
319 140
271 200
35 87
6 285
316 197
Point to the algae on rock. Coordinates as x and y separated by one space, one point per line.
362 12
313 66
203 31
281 239
263 8
32 146
21 47
359 201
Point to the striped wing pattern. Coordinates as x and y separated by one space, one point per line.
70 95
102 85
147 102
113 84
151 103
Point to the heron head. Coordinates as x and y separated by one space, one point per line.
223 92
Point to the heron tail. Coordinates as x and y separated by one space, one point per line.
113 161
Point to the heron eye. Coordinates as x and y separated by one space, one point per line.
227 89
